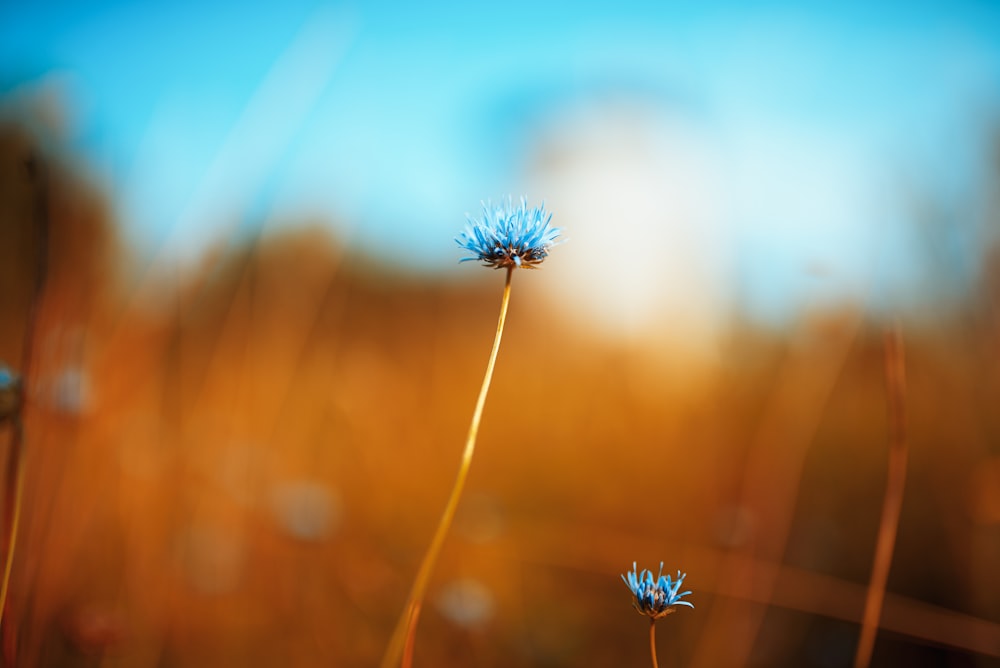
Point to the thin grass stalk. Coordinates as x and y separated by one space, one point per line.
402 642
14 501
895 382
15 466
652 641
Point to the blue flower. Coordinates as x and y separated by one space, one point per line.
655 598
509 236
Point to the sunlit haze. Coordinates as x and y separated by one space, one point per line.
779 156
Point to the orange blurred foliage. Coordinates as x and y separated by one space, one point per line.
247 471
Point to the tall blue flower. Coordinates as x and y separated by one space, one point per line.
509 236
655 598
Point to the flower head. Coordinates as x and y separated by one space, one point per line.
509 236
655 598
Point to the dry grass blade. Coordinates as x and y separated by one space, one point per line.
895 388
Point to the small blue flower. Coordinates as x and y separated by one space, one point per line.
655 598
509 236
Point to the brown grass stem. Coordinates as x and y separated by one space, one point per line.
652 641
14 500
402 641
895 382
14 492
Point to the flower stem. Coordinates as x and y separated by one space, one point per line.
15 496
895 381
14 484
401 644
652 641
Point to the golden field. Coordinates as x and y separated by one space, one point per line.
241 465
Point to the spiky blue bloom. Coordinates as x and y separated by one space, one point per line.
509 236
655 598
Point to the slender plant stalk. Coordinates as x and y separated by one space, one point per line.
15 462
652 641
401 644
15 494
895 381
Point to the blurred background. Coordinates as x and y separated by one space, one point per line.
256 356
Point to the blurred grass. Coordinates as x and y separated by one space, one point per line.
247 472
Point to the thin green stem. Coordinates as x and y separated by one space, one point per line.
652 641
895 381
401 644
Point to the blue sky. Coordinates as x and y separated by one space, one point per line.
393 119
